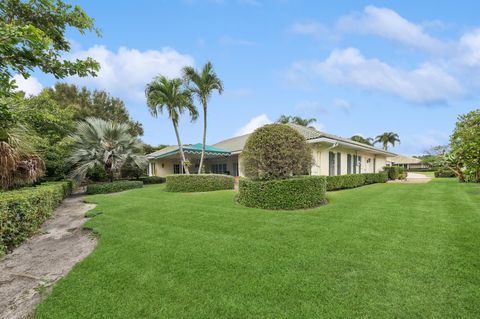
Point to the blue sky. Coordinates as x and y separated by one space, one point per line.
358 67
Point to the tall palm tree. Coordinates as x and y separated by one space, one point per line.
172 96
202 84
106 144
361 139
285 119
387 138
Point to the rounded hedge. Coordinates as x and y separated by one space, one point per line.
199 182
276 151
291 193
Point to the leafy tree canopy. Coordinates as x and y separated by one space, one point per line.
285 119
32 35
361 139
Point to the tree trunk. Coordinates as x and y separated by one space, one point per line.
204 136
180 147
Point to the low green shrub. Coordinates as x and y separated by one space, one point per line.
112 187
23 211
198 182
152 180
395 172
354 180
444 172
291 193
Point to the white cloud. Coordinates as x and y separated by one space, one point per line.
229 41
127 71
343 105
253 124
424 85
469 46
30 86
389 24
314 29
318 126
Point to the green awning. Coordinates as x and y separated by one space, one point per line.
190 149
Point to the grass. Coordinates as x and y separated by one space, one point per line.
384 251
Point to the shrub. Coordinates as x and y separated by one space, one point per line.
291 193
444 172
395 172
24 210
152 180
199 182
276 151
113 187
354 180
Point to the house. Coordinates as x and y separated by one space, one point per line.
332 155
407 162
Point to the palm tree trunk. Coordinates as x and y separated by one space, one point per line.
180 147
204 136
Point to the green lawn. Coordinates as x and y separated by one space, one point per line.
384 250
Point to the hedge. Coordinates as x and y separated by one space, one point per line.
395 172
23 211
354 180
152 179
113 187
198 182
444 172
291 193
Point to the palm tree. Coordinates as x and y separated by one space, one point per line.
172 96
105 144
202 84
387 138
361 139
285 119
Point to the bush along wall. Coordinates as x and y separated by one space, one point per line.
444 172
152 180
23 211
199 182
291 193
395 172
354 180
113 187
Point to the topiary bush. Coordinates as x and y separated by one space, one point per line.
291 193
354 180
152 180
112 187
276 151
444 172
199 182
395 172
23 211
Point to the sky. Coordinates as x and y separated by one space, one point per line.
358 67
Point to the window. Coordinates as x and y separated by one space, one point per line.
219 168
339 164
331 163
354 164
349 164
176 168
153 169
374 164
359 164
235 169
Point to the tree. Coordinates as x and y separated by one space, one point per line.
202 84
285 119
465 144
84 104
173 97
361 139
19 163
387 138
99 143
276 151
148 149
32 35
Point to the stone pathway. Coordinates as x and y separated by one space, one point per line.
29 272
414 178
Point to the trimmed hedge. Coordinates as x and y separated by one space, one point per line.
291 193
354 180
113 187
23 211
444 172
152 180
198 182
395 172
